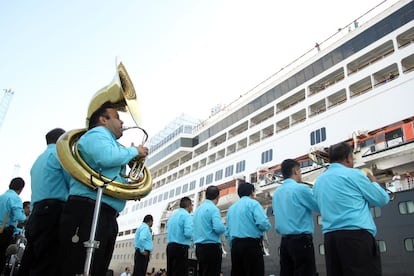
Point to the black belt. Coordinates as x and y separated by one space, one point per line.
297 236
105 207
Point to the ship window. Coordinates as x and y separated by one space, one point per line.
160 198
171 193
240 166
382 246
321 249
178 190
409 244
318 136
185 188
209 179
376 212
219 175
192 185
267 156
165 195
201 182
229 171
406 207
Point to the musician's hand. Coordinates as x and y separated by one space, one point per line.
142 151
371 177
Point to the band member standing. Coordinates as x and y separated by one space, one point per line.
143 246
102 152
50 189
11 212
208 227
179 235
246 221
293 204
344 196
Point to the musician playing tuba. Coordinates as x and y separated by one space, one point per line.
101 151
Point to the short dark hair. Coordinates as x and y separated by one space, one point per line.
185 202
53 135
287 167
148 218
25 204
101 111
16 184
339 152
212 192
245 189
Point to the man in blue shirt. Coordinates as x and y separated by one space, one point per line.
102 152
50 189
11 212
208 227
179 235
143 246
344 196
293 204
246 221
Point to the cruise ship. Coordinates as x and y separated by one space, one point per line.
355 87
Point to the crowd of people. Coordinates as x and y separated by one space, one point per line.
62 209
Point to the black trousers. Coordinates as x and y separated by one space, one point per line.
42 234
177 259
209 259
140 263
247 257
75 229
6 239
352 253
297 256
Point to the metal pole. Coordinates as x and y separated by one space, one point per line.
91 245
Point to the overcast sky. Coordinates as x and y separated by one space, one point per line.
183 56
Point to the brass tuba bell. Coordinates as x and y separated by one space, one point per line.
121 93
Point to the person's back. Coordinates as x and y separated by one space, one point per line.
344 196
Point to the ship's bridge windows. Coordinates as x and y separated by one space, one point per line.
386 75
405 38
240 166
336 98
209 179
318 136
372 56
317 108
406 207
267 156
360 87
326 81
409 244
408 64
262 116
290 101
228 171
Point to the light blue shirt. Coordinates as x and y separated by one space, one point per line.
11 203
293 204
143 238
344 196
246 219
48 178
208 225
180 227
102 152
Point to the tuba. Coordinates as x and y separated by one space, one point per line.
121 93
